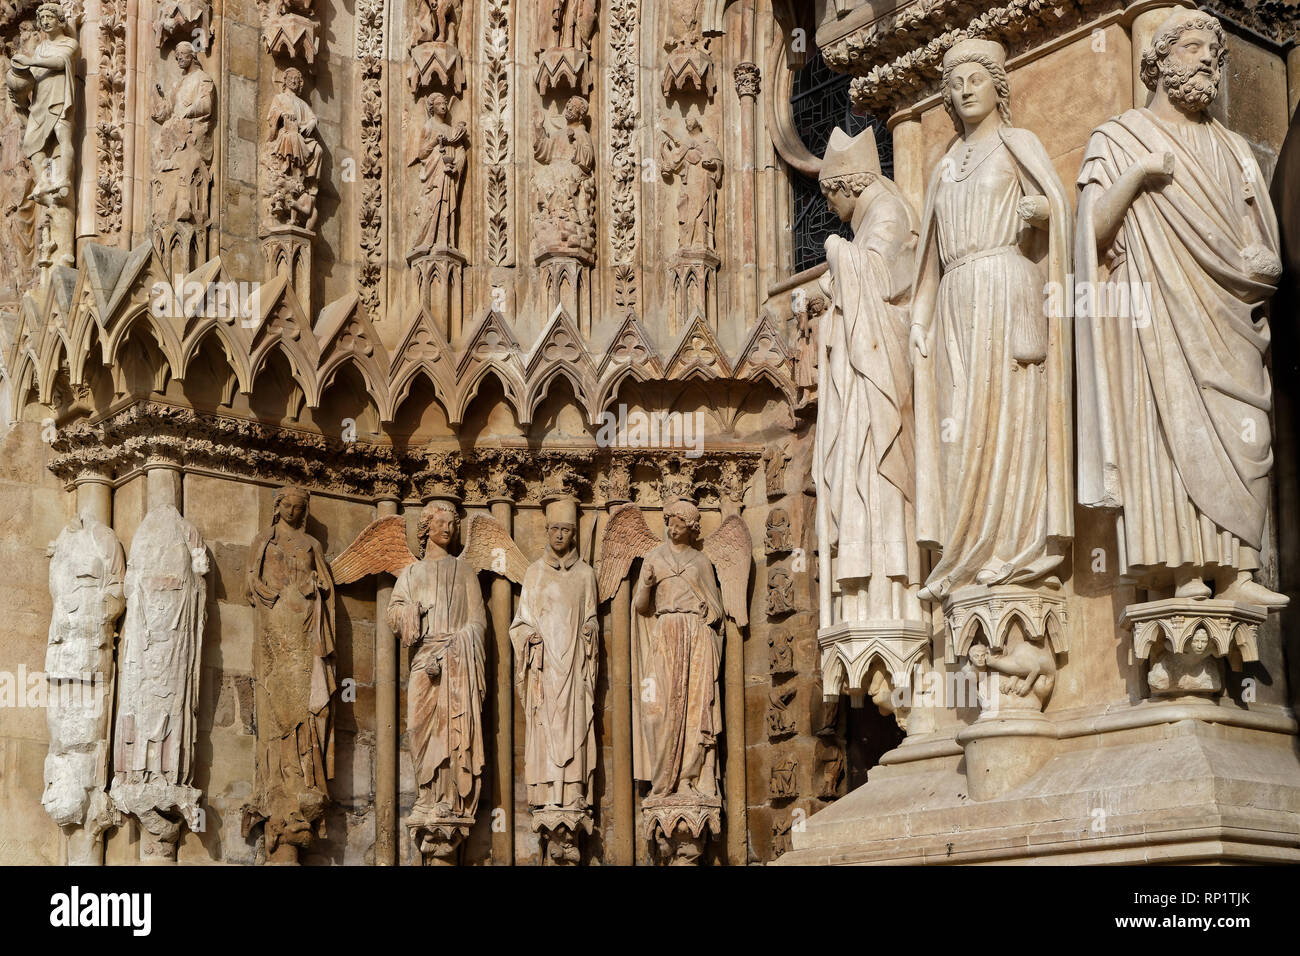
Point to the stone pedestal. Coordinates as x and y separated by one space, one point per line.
563 69
182 247
439 274
678 825
848 650
1157 782
689 69
1186 641
287 251
693 278
561 831
567 280
435 64
438 836
991 611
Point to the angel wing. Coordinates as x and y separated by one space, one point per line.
627 537
381 546
489 548
731 550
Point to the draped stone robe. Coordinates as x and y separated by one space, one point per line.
994 446
1174 405
444 713
293 662
676 657
557 679
865 448
55 93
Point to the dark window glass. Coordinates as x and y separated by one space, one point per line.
820 102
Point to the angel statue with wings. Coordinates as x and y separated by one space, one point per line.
678 612
436 610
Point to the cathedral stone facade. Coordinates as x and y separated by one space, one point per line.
647 432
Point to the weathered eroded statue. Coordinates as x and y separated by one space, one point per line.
437 610
158 680
289 584
292 156
86 586
555 635
183 150
564 220
696 162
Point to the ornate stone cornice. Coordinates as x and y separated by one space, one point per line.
124 442
897 59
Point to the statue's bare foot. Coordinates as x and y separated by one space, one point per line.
1249 591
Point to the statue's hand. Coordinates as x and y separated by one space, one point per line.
916 340
1034 210
1158 166
433 669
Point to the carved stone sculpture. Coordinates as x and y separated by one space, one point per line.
774 461
696 162
564 213
290 586
776 539
563 44
993 436
1175 398
158 680
782 781
42 86
780 719
1186 641
555 635
688 66
780 652
780 593
86 587
864 458
440 156
434 55
681 598
437 610
291 157
183 152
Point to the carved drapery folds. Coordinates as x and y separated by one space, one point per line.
184 115
87 570
158 680
42 85
291 589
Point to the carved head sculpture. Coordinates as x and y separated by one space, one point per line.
575 110
292 80
978 654
291 504
185 56
1186 57
683 520
438 105
50 17
561 524
1199 645
849 166
438 523
975 83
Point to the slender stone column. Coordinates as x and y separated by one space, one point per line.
386 715
503 718
622 848
909 159
748 82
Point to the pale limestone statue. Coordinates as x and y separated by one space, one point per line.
564 220
158 679
87 568
437 610
864 447
183 149
42 85
992 383
555 635
440 155
696 162
292 156
289 584
1175 396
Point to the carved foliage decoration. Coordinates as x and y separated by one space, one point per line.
624 17
110 116
370 51
496 122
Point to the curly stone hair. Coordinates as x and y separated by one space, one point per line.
1161 43
422 529
1000 84
853 184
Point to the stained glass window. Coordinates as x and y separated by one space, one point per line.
820 102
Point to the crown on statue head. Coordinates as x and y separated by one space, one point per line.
850 155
